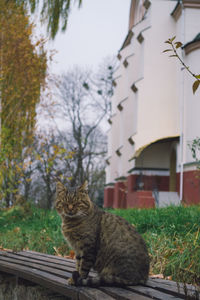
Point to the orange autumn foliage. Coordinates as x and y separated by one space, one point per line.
23 67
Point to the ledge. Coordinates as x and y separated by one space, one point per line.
176 13
147 169
109 121
114 83
134 88
110 184
191 3
193 45
118 151
127 39
125 63
107 161
120 107
119 56
131 141
121 178
147 4
140 38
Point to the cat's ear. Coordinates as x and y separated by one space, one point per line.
84 187
60 187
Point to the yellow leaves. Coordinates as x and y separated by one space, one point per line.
23 71
56 148
61 251
70 155
38 157
28 179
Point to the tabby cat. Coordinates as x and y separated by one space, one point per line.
102 241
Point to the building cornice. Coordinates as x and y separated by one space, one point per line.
193 45
132 14
127 40
191 3
118 151
176 13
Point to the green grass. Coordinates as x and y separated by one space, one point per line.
34 229
172 235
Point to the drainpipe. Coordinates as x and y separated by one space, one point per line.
182 104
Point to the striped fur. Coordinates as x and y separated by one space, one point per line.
102 241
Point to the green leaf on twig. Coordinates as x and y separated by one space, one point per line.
178 45
167 50
172 38
195 86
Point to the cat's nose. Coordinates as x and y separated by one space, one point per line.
70 207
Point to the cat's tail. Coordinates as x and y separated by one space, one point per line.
108 280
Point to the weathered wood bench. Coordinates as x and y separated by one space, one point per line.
52 272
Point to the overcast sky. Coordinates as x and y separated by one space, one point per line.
95 31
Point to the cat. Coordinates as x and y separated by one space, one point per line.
102 241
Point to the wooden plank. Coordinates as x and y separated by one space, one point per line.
25 259
50 258
123 294
69 263
51 281
52 272
61 263
44 255
15 261
93 294
171 287
154 294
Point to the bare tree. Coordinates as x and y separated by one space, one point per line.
84 104
49 158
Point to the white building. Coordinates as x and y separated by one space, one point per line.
154 112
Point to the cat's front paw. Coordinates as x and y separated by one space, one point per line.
70 281
75 280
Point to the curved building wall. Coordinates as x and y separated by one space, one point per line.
153 94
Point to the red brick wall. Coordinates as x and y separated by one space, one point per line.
124 195
191 187
108 197
150 182
120 191
140 199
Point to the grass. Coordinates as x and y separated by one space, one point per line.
172 235
173 239
34 229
